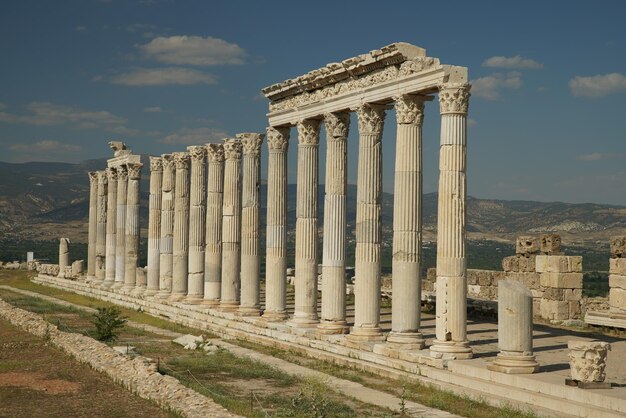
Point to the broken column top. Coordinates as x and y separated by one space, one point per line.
527 245
550 244
618 246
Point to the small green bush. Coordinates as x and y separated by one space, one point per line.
108 321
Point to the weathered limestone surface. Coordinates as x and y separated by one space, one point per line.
451 319
180 248
64 255
231 226
111 228
215 199
407 223
166 242
368 225
515 329
120 226
132 230
305 313
101 226
197 228
562 279
93 225
250 256
276 248
333 319
587 360
154 225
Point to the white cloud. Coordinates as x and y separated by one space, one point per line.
512 62
80 28
191 136
193 50
489 87
47 114
153 109
163 76
45 146
597 85
597 156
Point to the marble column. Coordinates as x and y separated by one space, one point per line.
64 255
197 228
276 239
154 225
305 313
120 226
407 224
215 200
101 226
515 329
333 320
180 248
250 256
368 225
451 286
93 225
131 241
231 226
109 276
167 226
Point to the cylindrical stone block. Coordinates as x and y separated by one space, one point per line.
101 226
120 226
132 230
197 228
111 240
166 241
180 248
64 255
213 237
154 225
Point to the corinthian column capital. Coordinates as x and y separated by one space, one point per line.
232 149
409 109
111 173
134 170
251 143
337 125
278 138
156 164
181 160
93 177
167 161
197 153
454 98
309 132
215 153
102 177
371 119
122 173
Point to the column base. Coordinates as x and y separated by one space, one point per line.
193 299
274 316
211 303
117 286
137 291
332 327
228 306
150 293
460 350
514 364
249 311
365 334
107 285
90 279
162 294
176 297
303 322
406 340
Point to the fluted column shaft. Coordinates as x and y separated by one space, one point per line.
215 200
368 224
305 313
93 225
180 248
451 316
167 226
333 318
64 255
231 226
276 247
250 256
407 223
101 226
132 226
197 228
120 226
154 225
111 229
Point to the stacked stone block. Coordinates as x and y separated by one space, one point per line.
617 275
562 278
521 267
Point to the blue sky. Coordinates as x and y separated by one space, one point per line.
547 114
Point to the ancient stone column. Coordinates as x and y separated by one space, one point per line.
109 275
101 226
180 247
368 225
231 226
407 224
451 287
333 320
131 241
250 256
64 255
515 329
154 225
276 239
215 199
93 225
197 228
167 226
120 226
305 313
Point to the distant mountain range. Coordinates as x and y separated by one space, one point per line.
42 200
